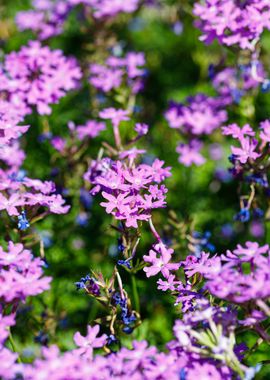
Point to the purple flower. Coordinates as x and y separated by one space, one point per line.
265 131
38 76
9 367
115 115
141 129
236 132
201 115
91 341
20 274
5 323
189 154
233 283
91 129
116 72
233 22
247 150
159 257
58 143
131 193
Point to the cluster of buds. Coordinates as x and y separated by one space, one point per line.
111 295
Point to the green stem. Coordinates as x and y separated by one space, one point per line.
13 346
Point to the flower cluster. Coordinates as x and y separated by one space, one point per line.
116 71
140 362
200 117
23 192
78 137
130 192
10 119
37 76
239 276
48 17
242 274
250 163
233 83
20 274
232 22
121 316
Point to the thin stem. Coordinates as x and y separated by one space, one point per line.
120 285
135 247
154 231
117 136
13 345
264 307
262 333
252 195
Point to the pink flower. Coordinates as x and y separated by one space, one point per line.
58 143
5 323
237 132
105 78
141 129
8 367
91 341
114 202
201 115
250 252
203 265
115 115
91 129
169 284
247 150
159 263
10 204
131 153
10 116
37 76
21 274
265 130
189 154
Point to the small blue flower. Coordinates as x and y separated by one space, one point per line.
125 263
44 136
237 95
259 179
251 372
178 28
258 213
243 215
23 223
266 85
232 158
121 247
211 71
227 230
182 374
116 298
42 338
86 198
127 330
127 320
19 176
111 339
79 285
82 219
